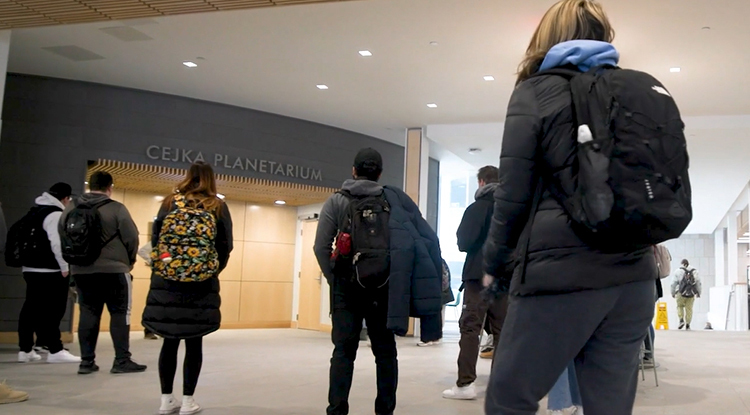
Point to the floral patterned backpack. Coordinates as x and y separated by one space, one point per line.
185 251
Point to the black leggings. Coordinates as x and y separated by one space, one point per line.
191 368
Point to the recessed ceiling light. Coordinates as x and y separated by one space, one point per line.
159 198
431 105
321 86
280 202
674 70
706 28
433 43
365 53
190 64
489 78
220 196
475 150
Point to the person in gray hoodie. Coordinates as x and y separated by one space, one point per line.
107 280
47 282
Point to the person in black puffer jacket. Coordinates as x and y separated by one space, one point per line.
574 301
178 310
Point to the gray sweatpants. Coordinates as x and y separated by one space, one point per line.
601 329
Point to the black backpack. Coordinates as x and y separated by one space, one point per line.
27 238
688 284
633 185
81 234
368 226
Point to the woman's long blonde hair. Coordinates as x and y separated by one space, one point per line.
566 20
199 188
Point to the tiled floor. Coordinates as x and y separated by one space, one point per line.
284 372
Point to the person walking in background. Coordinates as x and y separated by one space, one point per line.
479 311
7 394
565 398
36 240
374 261
100 241
685 288
579 291
192 240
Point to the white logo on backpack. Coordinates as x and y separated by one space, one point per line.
661 90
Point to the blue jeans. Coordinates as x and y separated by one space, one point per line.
565 393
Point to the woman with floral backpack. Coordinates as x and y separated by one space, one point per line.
192 239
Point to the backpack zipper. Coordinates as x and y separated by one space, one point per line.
649 189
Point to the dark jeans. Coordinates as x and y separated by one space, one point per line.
191 368
601 329
475 308
350 305
94 291
431 324
43 309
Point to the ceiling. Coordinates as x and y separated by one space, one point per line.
162 180
30 13
272 59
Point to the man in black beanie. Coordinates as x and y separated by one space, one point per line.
372 273
47 279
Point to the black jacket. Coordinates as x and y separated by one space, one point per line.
472 232
187 309
539 140
416 265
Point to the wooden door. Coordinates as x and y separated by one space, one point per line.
311 280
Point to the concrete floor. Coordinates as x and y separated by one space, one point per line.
284 372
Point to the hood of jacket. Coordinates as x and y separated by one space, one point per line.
585 54
47 199
362 187
93 198
486 191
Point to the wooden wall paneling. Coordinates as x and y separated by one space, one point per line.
275 224
230 301
143 207
266 302
268 262
235 267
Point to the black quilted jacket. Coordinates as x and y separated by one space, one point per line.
540 141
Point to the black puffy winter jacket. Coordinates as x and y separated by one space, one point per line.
473 230
540 140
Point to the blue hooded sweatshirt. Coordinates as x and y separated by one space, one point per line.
585 54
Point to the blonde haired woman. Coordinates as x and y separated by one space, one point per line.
573 302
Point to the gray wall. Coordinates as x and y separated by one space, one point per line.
52 127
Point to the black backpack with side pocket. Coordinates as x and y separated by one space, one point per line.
367 220
81 234
27 240
633 187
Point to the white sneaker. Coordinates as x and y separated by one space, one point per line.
31 356
41 350
428 344
578 410
168 405
465 393
189 407
63 356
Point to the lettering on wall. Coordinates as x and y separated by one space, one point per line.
232 162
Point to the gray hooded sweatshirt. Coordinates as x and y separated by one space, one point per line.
332 218
118 256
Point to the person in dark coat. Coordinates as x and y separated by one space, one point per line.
413 288
189 310
478 310
574 301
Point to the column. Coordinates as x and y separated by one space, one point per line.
740 283
416 167
720 271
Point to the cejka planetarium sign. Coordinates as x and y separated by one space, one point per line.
182 155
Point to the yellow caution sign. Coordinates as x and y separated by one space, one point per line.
662 320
